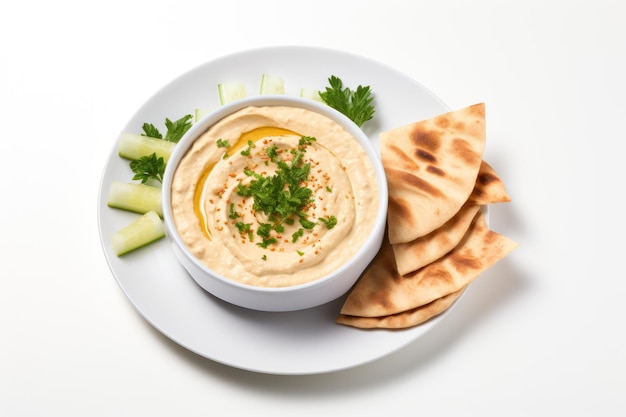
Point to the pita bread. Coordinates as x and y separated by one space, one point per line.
414 255
411 256
382 291
431 169
489 187
405 319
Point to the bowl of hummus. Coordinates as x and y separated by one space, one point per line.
275 203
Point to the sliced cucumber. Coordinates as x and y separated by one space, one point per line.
199 114
146 229
311 93
271 84
231 91
134 146
138 198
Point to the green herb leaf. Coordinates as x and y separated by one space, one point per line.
330 222
150 130
232 214
148 167
176 130
307 224
223 143
356 105
297 235
246 152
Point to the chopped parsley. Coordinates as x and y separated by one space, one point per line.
330 222
232 214
283 196
223 143
246 152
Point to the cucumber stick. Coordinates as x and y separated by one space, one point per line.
271 84
134 146
135 197
231 91
142 231
199 113
311 93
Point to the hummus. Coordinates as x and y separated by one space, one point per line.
235 170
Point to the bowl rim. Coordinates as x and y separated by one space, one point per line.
273 100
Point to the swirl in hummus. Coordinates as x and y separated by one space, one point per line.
231 230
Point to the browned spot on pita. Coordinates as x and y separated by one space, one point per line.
426 156
478 110
489 188
402 158
463 150
406 178
434 276
487 178
426 139
464 262
434 170
399 207
442 122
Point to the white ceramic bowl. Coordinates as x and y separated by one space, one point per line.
297 297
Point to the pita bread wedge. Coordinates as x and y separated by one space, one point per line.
404 319
411 256
489 187
382 291
431 169
418 253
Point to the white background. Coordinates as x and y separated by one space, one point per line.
541 333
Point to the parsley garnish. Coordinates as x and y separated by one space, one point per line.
356 105
330 222
175 130
297 235
222 143
232 214
148 167
246 152
282 196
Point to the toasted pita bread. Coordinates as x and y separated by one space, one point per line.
411 256
489 187
404 319
414 255
431 169
382 291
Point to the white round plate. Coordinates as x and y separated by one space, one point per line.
302 342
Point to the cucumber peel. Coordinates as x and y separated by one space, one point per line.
141 232
138 198
134 146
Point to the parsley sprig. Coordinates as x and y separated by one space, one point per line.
151 167
355 104
175 130
148 167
